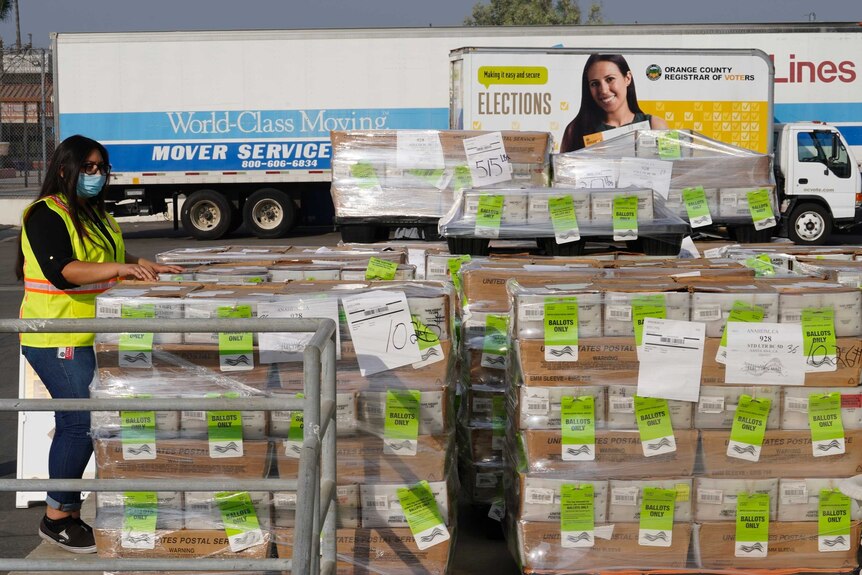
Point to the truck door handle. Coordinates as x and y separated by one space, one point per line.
803 180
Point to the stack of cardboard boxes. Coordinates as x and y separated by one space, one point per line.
586 469
378 457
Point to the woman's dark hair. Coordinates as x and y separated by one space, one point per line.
590 114
61 180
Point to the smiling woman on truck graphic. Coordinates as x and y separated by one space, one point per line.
608 101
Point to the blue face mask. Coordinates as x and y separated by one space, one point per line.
89 186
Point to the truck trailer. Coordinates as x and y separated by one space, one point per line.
237 122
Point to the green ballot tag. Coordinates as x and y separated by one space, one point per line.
140 514
578 424
697 207
430 350
656 432
644 307
138 434
561 329
224 429
668 146
564 219
656 522
752 525
423 517
236 348
401 425
827 428
489 215
749 426
833 521
760 206
366 176
625 218
240 520
577 516
379 269
495 345
818 339
295 431
136 349
741 312
762 265
462 180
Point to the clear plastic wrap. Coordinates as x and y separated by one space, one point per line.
674 161
707 482
525 214
232 255
379 175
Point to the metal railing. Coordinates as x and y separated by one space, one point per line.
315 487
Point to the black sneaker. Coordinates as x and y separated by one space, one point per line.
74 535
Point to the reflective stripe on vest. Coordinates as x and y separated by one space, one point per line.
44 286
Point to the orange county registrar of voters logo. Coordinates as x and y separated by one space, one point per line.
653 72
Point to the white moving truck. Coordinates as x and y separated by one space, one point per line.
726 95
238 122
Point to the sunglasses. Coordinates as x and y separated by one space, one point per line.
91 168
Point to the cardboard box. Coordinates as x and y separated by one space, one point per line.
794 407
715 499
539 498
792 545
392 551
799 498
717 404
361 460
166 300
601 361
347 507
783 454
541 407
381 508
483 444
179 543
541 552
625 498
181 458
621 409
619 454
481 482
485 288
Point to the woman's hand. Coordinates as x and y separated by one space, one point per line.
137 271
155 268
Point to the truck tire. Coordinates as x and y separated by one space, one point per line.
206 215
269 213
809 224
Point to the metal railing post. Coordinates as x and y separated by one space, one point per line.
318 406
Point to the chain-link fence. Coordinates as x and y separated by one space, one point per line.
26 118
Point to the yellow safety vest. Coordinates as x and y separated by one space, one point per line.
43 300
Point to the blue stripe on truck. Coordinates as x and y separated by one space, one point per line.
833 113
212 156
246 124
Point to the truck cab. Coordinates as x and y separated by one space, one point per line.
818 180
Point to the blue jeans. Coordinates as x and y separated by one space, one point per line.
72 446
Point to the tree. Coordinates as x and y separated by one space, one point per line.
531 13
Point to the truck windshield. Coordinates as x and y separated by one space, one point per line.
826 148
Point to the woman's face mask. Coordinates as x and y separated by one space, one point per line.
89 186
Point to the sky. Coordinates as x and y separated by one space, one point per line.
41 17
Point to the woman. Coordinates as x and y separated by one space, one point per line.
70 250
608 101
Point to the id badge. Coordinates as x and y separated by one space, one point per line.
65 353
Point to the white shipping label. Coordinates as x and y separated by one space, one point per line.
794 493
706 312
713 404
382 331
765 354
538 496
537 401
286 347
671 359
644 173
487 159
625 496
797 404
710 496
618 312
621 404
418 149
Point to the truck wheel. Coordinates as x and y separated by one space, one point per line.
269 213
206 215
809 224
